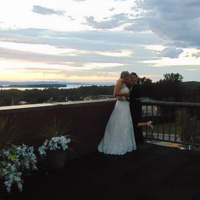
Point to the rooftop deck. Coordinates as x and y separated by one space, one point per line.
152 172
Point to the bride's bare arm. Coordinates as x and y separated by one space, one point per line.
117 89
148 124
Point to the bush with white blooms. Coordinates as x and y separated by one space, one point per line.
13 162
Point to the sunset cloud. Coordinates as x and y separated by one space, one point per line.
96 40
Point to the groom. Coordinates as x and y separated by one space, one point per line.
135 107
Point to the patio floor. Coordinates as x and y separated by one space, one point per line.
152 172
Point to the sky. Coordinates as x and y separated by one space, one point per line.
95 40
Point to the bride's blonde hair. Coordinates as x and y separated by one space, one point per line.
124 74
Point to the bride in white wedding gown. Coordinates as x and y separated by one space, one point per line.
119 135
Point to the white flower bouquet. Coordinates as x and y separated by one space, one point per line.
13 162
123 98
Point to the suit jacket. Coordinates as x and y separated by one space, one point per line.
135 103
136 112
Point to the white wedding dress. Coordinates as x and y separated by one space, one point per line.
119 135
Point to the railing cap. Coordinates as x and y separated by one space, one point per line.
49 106
167 103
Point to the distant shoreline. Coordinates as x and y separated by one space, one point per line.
6 85
35 86
28 87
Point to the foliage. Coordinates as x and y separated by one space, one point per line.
55 128
146 87
55 135
10 132
170 88
173 77
188 128
16 158
13 162
10 97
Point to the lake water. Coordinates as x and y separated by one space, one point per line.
40 88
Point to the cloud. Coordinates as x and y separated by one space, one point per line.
89 47
109 23
47 11
138 25
196 55
111 9
83 40
176 22
103 37
171 52
31 69
71 18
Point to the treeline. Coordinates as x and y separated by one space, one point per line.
15 97
170 88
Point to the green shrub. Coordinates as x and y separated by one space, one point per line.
188 129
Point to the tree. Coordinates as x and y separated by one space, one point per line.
170 88
173 77
146 87
188 128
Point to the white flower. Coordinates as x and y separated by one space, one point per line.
123 98
13 162
53 144
42 150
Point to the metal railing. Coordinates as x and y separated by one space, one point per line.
174 122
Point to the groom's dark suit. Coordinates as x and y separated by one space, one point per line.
136 112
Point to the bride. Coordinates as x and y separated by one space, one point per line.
119 135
